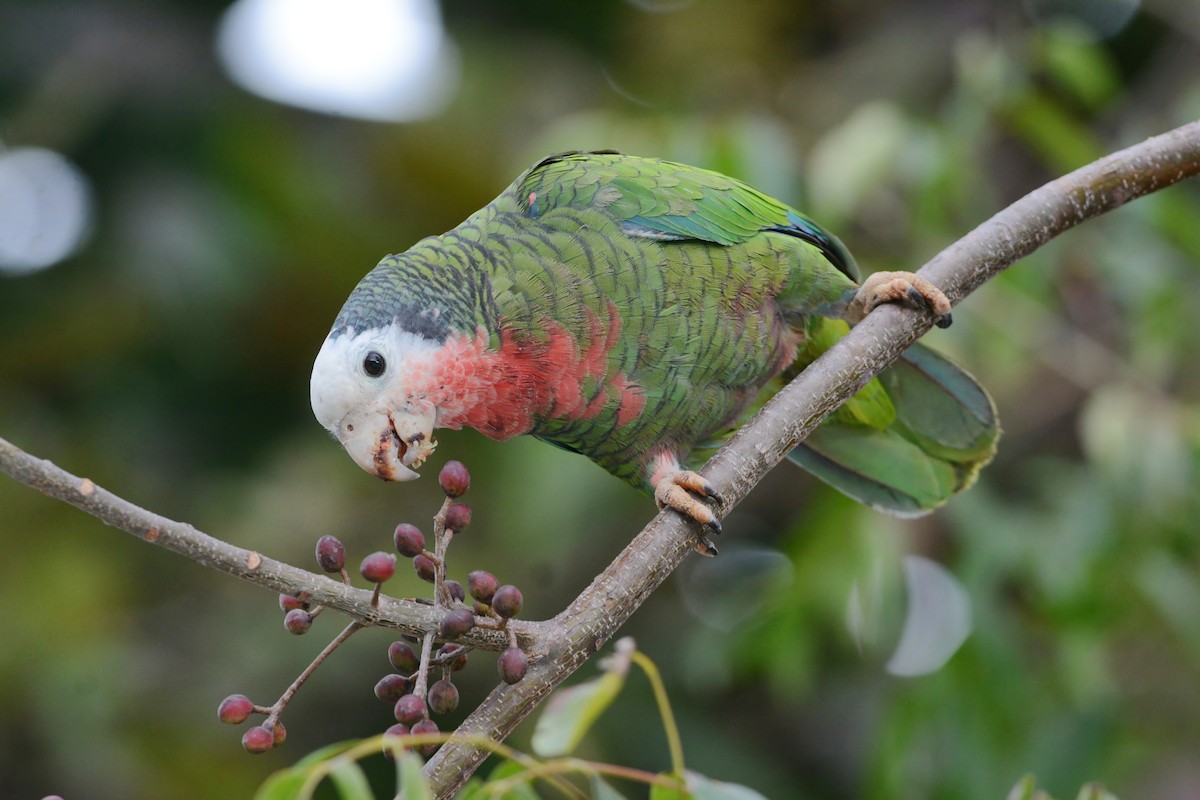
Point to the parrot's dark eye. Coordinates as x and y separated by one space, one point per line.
373 364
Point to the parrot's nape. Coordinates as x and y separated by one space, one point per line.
637 311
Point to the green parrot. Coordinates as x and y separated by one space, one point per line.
637 311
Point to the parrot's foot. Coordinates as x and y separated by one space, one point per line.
678 490
906 288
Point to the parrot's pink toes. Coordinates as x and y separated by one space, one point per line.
906 288
678 490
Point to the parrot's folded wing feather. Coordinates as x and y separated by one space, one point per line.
944 432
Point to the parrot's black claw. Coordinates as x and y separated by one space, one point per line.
705 547
944 321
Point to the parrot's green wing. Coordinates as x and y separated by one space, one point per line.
945 430
667 201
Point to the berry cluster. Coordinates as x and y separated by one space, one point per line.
407 689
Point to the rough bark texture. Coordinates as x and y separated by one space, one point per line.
557 647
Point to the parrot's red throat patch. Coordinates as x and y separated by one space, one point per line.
505 391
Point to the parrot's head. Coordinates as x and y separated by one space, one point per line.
366 390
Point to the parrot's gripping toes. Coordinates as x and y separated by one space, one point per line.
906 288
678 490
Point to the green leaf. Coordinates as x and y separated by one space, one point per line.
1023 790
410 783
350 781
506 769
703 788
571 712
286 784
602 790
282 785
660 791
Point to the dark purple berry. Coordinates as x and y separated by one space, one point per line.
456 591
454 479
507 601
391 688
512 665
288 603
399 729
258 740
456 622
482 585
278 735
409 540
378 567
235 709
443 697
424 566
403 657
297 621
410 709
458 516
331 554
423 727
446 655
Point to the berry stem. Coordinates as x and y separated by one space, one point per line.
421 687
280 704
441 541
664 710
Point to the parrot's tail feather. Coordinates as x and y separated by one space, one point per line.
944 431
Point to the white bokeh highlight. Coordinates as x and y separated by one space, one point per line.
45 209
384 60
937 622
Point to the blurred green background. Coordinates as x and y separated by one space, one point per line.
168 359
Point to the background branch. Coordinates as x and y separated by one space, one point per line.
561 645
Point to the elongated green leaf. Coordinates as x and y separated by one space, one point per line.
350 782
571 712
603 790
286 784
410 783
506 769
703 788
660 791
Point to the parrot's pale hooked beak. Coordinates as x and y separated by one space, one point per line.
390 446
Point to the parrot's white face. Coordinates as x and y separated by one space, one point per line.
363 393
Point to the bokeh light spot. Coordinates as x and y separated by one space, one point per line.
45 209
387 60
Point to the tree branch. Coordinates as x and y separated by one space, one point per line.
557 647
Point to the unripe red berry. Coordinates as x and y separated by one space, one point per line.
331 554
409 540
288 603
279 734
456 622
423 727
391 688
454 479
258 740
410 709
403 657
235 709
507 601
443 697
456 591
297 621
482 585
512 665
378 567
424 567
458 516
